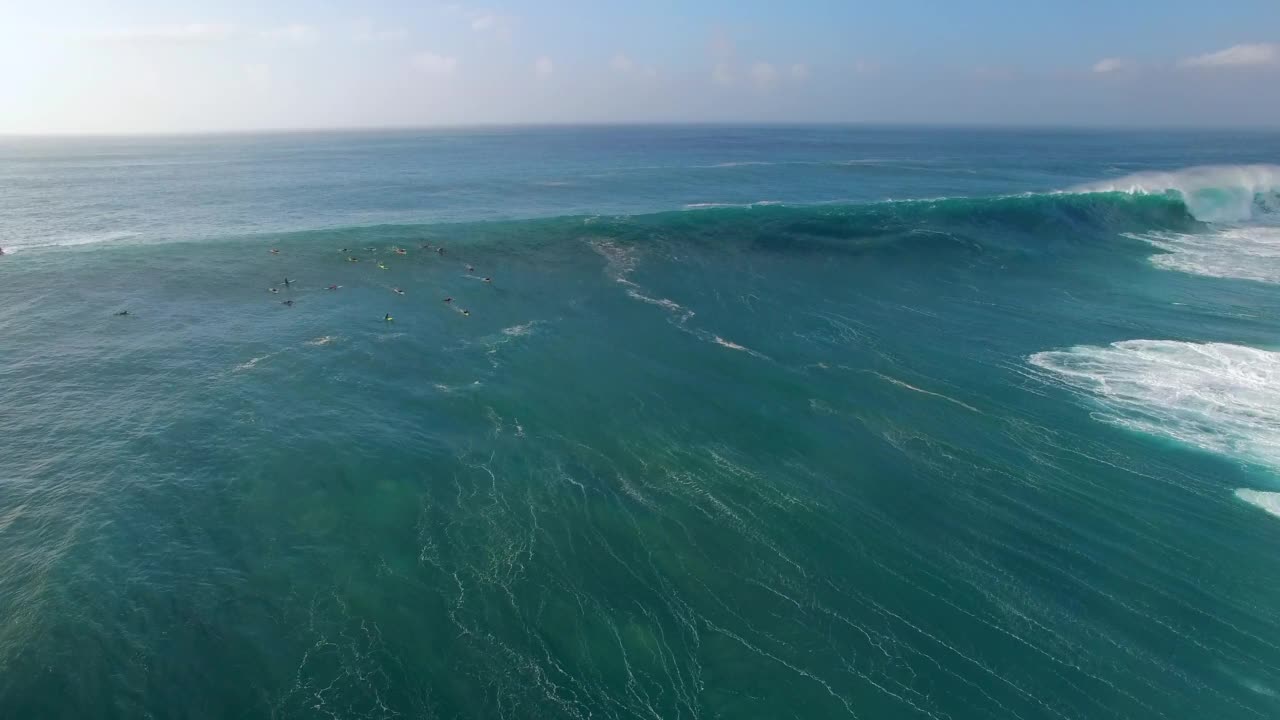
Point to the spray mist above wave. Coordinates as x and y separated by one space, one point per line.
1212 193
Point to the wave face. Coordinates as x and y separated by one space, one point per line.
923 230
1213 193
1164 209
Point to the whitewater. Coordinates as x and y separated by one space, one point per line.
745 422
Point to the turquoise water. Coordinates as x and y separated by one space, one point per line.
749 423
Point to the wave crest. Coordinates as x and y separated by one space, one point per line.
1212 193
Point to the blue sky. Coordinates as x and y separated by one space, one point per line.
194 65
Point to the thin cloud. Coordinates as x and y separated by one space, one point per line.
723 53
621 63
367 31
624 65
433 64
866 67
764 75
486 21
257 76
188 33
481 20
722 74
995 72
1112 65
292 33
1247 55
543 66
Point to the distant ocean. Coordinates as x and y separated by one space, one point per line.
745 423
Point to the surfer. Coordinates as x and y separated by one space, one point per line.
333 287
467 313
388 318
352 258
275 251
488 280
448 299
401 251
274 291
286 282
287 302
397 291
122 313
440 249
384 267
471 268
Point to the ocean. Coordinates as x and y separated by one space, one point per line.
745 422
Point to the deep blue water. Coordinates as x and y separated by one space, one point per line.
747 423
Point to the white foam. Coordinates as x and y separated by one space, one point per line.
1219 397
322 340
1247 253
520 330
253 362
621 260
729 344
913 388
722 342
1213 193
70 241
1268 501
715 205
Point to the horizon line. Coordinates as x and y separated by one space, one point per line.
884 125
